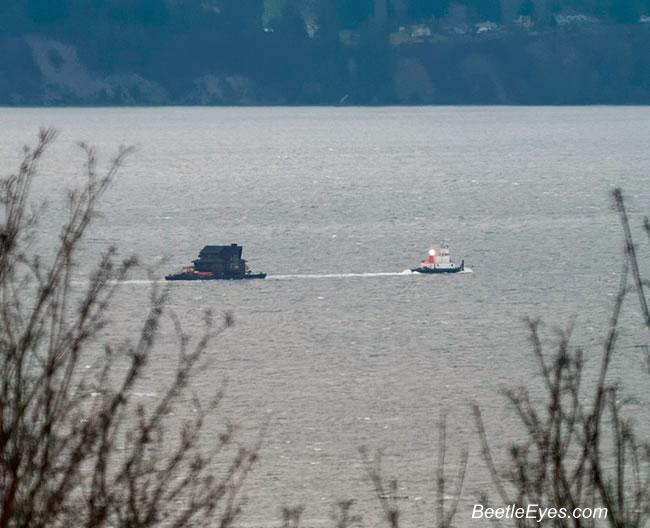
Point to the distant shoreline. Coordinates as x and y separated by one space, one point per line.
358 106
604 65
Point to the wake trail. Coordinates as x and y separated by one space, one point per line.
341 275
405 273
122 282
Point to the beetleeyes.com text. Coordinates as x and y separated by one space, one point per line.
536 512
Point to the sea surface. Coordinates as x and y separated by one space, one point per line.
341 347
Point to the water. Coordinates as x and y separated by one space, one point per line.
342 347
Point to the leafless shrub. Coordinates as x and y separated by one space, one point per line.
75 449
291 516
572 435
343 517
387 492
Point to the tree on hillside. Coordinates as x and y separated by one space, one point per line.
47 12
13 18
486 9
325 16
150 13
398 11
423 9
627 12
527 8
352 14
291 22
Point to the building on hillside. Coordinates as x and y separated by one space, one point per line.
573 19
420 31
524 21
485 26
461 29
311 30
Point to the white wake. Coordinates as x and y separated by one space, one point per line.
404 273
339 275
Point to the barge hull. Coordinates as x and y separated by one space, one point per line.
195 277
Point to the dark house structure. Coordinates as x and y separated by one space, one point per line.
221 260
217 263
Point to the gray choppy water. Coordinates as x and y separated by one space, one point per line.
339 348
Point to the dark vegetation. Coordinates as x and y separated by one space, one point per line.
320 51
581 448
77 449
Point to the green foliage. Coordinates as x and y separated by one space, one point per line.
625 12
352 14
527 8
150 12
273 11
618 11
291 22
487 9
423 9
47 11
242 16
113 19
353 50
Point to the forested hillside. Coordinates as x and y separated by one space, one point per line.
324 51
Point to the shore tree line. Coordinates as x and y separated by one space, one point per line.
79 18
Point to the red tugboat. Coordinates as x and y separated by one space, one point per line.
217 263
439 262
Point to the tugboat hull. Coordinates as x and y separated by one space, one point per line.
427 269
194 276
437 270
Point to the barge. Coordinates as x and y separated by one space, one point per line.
217 263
